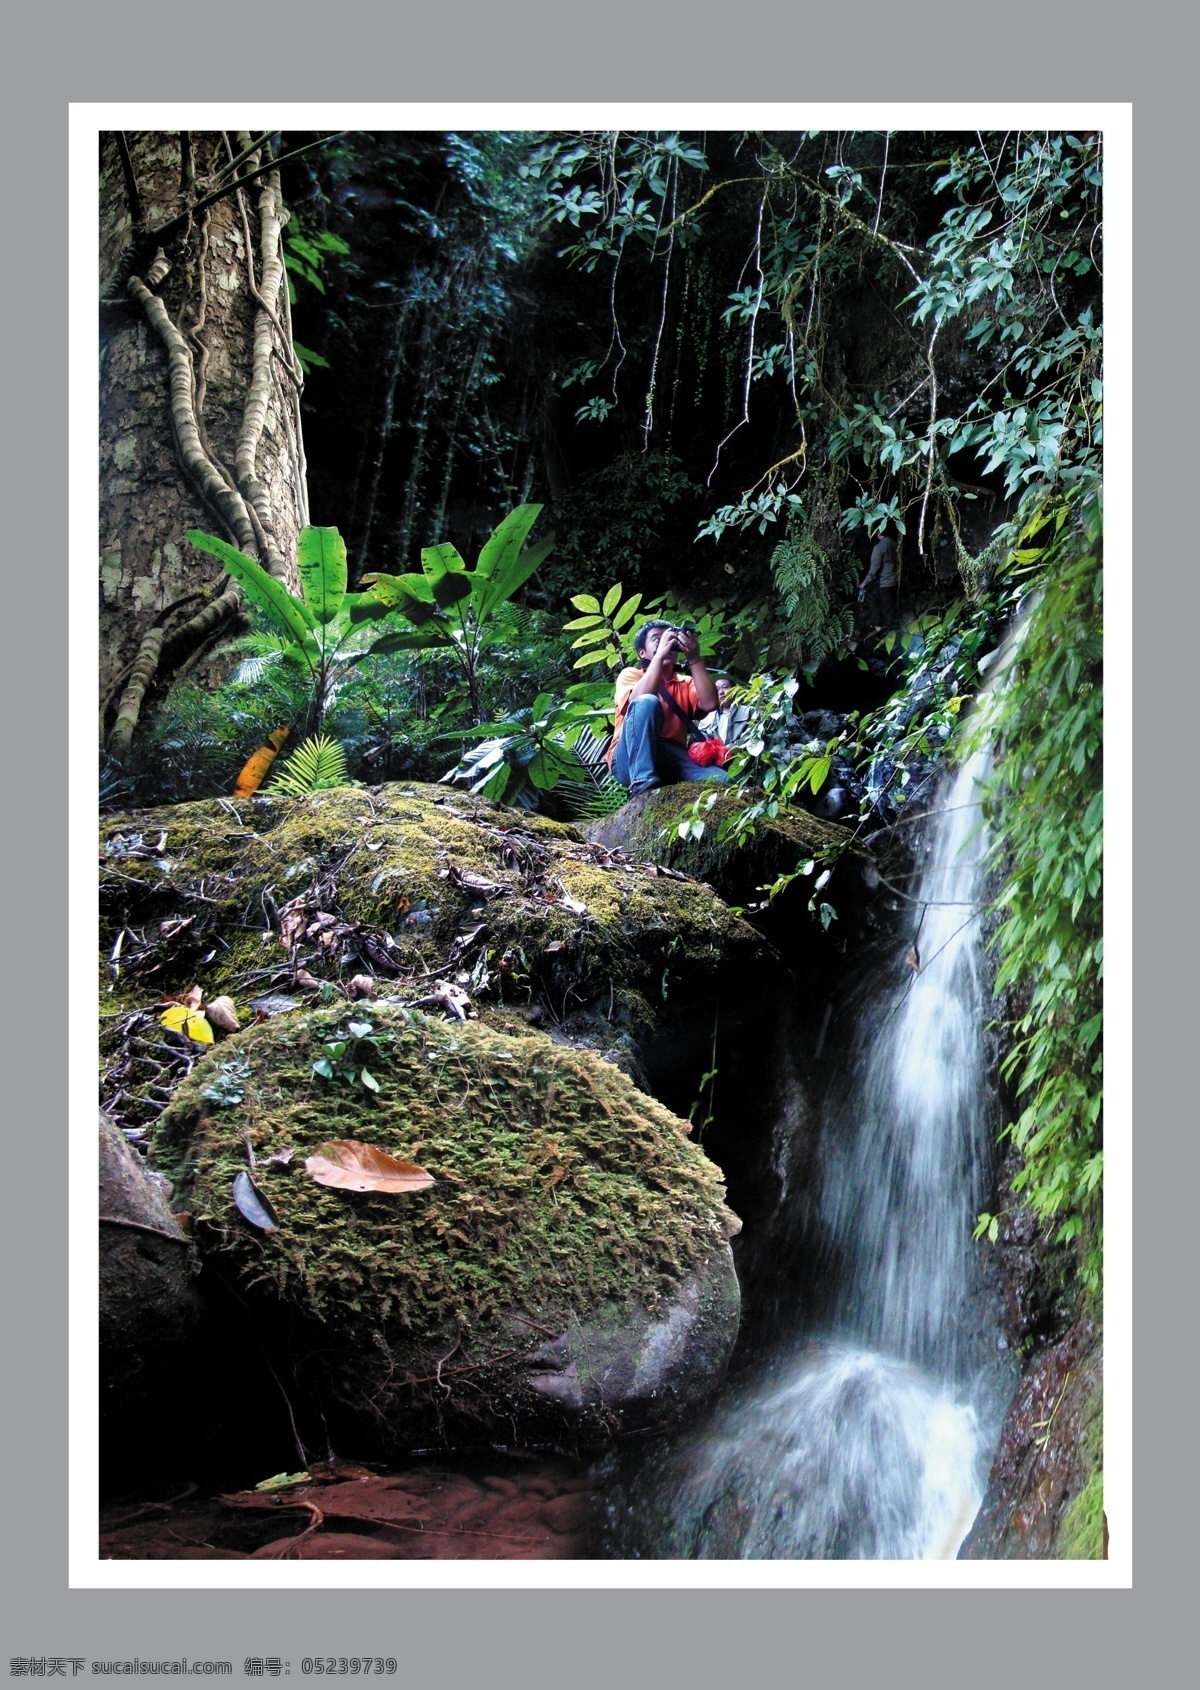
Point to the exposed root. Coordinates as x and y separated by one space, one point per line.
224 501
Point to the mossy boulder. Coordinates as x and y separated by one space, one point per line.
569 1266
516 908
648 828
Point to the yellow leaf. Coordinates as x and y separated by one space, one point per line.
180 1019
254 772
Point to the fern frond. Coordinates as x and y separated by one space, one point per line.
812 588
592 800
317 764
250 671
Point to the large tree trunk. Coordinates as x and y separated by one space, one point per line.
199 405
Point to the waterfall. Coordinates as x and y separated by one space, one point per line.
872 1437
905 1171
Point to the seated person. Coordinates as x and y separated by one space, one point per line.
655 708
728 722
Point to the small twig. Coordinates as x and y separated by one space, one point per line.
300 1449
549 1331
887 135
131 187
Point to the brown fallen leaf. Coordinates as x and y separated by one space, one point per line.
361 986
349 1165
194 997
308 981
222 1014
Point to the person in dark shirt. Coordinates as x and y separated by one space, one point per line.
877 589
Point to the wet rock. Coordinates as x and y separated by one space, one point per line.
148 1299
647 1367
1044 1497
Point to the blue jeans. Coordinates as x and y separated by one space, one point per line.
643 757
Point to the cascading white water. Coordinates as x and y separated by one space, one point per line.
904 1184
872 1440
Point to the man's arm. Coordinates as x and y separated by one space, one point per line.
652 674
706 689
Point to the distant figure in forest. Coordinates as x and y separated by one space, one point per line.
877 589
656 709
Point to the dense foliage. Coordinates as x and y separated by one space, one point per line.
1046 810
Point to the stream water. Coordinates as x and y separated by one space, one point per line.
871 1436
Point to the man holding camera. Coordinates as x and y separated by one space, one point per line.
655 710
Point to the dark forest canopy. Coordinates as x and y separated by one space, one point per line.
665 336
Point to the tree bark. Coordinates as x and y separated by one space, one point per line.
199 413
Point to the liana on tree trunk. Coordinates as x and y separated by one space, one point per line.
199 403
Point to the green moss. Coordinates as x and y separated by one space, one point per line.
560 1187
1082 1532
384 858
1081 1535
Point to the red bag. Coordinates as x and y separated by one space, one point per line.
707 751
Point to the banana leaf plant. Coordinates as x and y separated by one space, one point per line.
320 631
451 606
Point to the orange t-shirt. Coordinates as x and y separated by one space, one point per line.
681 689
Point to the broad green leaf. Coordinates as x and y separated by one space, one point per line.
441 560
411 595
446 573
543 771
579 622
452 589
321 562
585 601
396 590
511 572
505 541
260 588
410 642
625 615
364 607
612 599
